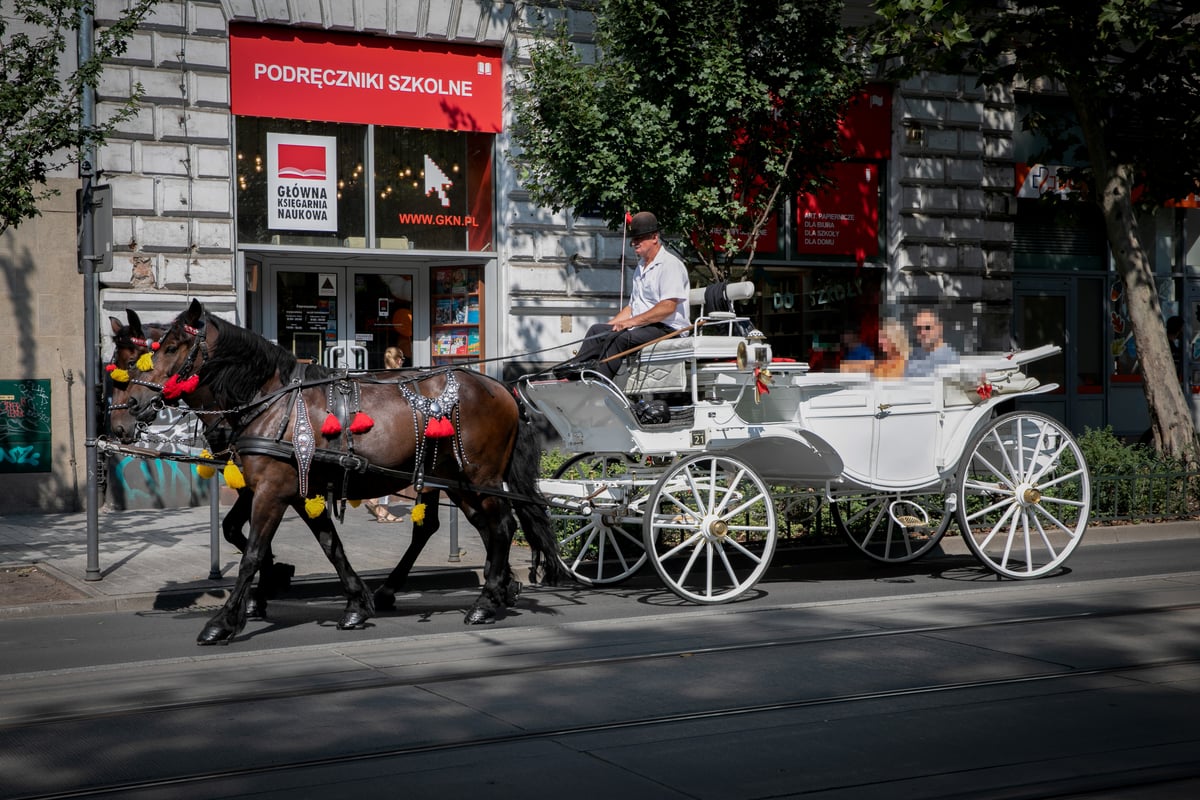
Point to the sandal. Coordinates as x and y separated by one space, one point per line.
381 512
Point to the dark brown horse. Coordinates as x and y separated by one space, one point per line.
300 432
135 339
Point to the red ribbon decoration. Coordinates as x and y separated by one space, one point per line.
174 388
985 390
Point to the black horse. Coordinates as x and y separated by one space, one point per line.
305 431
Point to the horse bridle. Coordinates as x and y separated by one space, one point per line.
199 347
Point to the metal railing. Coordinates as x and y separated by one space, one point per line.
1145 496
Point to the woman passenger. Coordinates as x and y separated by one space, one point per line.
893 350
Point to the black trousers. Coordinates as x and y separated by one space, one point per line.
602 341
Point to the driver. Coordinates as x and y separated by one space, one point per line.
657 306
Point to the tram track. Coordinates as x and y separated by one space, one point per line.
199 779
454 676
460 675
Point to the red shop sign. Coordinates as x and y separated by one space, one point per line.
842 219
335 77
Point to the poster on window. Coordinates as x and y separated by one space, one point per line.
301 182
841 219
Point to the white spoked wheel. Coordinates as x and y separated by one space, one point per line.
891 527
601 544
710 528
1023 495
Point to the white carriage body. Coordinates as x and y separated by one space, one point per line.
808 429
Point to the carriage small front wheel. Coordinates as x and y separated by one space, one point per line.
709 528
601 544
1023 495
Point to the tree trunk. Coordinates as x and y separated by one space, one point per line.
1170 418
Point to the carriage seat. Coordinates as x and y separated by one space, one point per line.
664 366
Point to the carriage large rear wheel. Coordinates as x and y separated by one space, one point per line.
601 544
891 527
710 528
1024 495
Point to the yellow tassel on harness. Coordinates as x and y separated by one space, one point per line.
233 476
145 363
119 376
205 471
418 513
313 506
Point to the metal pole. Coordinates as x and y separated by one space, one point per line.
455 553
87 251
214 524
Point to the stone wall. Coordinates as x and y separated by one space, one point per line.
42 338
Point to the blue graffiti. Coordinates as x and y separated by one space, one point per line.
27 456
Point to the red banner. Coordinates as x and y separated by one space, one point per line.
843 219
333 77
865 130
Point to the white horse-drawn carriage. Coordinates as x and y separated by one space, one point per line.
897 460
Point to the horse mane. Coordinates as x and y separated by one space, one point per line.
241 362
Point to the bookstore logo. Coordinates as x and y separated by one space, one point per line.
301 182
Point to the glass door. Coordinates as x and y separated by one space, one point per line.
342 317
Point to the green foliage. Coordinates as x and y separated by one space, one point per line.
41 126
704 115
1133 482
1129 64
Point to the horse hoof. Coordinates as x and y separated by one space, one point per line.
385 600
480 616
256 609
511 593
214 634
353 621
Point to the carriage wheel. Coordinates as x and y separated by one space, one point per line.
602 545
1024 495
710 528
891 527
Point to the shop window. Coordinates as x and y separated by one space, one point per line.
1059 236
806 313
256 203
433 189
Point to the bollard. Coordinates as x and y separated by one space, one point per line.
455 553
214 525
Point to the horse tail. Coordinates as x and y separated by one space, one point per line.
533 514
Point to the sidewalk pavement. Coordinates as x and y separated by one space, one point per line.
163 558
155 559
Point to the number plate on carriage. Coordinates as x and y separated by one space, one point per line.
699 439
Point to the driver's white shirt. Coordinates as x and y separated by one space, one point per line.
664 277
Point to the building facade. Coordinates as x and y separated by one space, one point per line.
335 175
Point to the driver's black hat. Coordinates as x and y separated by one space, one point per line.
643 224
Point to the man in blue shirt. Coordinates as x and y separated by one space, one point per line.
933 350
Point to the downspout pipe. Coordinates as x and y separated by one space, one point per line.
87 265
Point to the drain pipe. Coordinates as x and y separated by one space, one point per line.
87 265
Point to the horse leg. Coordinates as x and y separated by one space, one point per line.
494 520
359 605
385 596
231 617
273 579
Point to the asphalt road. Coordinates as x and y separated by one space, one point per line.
839 679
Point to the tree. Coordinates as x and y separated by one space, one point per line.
41 118
1131 69
704 114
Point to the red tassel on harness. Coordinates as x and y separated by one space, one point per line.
361 423
332 426
174 388
439 428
